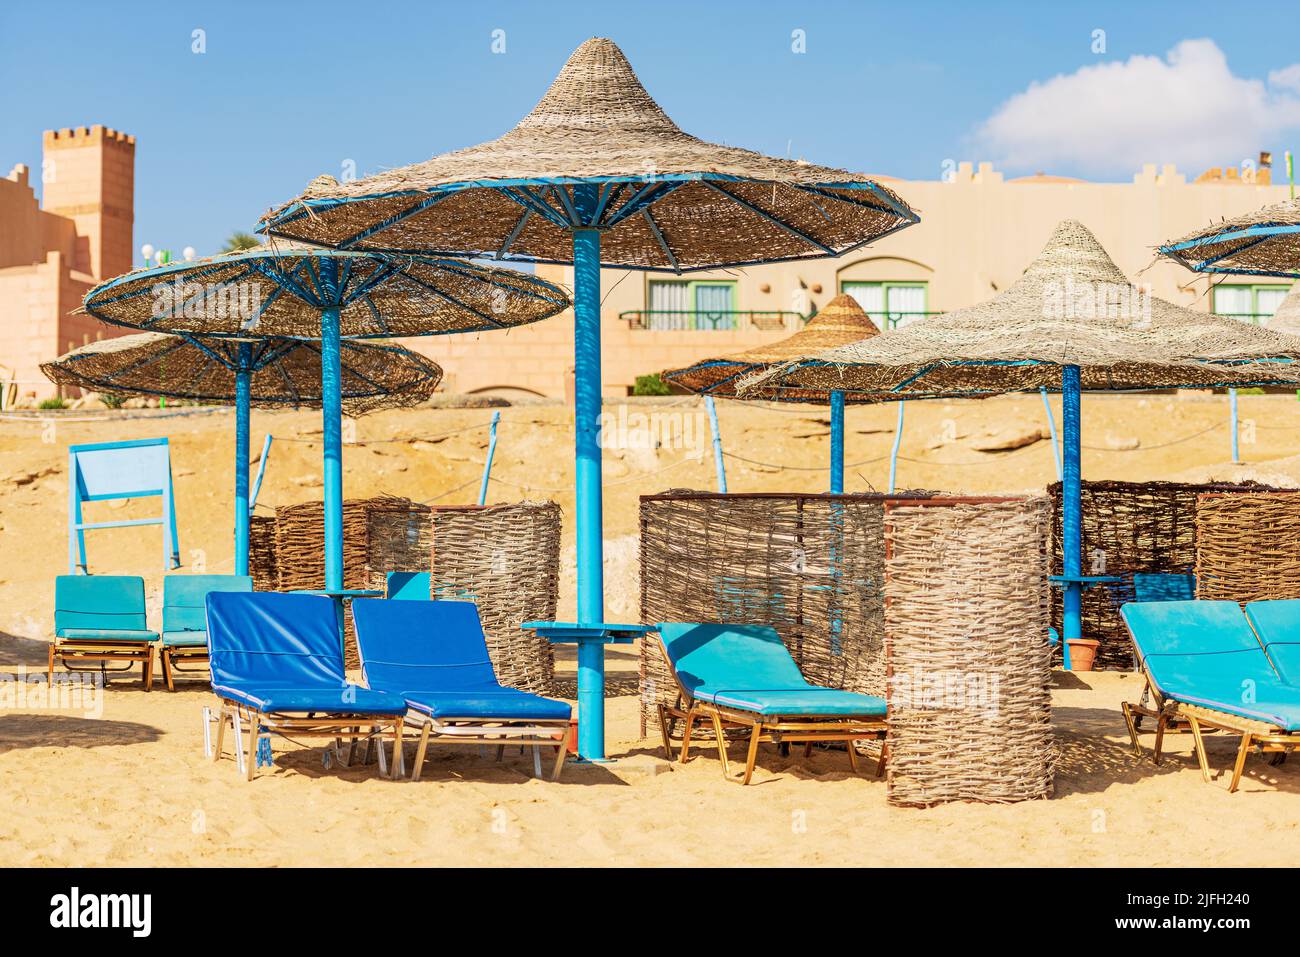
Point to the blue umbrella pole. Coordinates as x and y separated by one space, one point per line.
719 466
243 401
893 455
1072 533
1232 411
487 464
1051 427
837 443
591 583
332 424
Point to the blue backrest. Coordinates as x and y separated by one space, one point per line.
1278 625
1150 586
185 598
1189 644
99 601
274 640
730 657
409 645
408 585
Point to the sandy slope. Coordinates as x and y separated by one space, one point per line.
130 786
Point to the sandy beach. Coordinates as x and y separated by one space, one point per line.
130 785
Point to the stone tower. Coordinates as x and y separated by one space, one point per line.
88 176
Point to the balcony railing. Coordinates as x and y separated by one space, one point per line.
677 320
1255 318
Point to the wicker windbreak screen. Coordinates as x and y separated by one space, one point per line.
812 566
506 559
261 553
374 530
966 643
1246 546
1129 527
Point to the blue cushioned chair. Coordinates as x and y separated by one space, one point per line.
277 664
1277 623
408 586
101 618
744 676
435 656
1207 669
184 619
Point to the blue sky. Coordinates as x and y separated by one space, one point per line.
287 90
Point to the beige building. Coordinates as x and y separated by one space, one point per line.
51 254
977 233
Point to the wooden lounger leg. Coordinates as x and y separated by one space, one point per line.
753 753
399 756
722 742
1246 741
501 752
50 673
165 658
561 751
686 734
1200 747
419 751
665 730
148 669
253 722
853 755
1160 738
1132 728
884 753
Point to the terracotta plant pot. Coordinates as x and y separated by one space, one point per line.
1083 652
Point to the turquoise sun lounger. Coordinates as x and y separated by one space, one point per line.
434 655
277 666
744 676
101 618
1277 624
185 622
1206 668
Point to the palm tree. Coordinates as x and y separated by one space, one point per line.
239 241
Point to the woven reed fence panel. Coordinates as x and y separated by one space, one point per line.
1128 527
1246 546
969 665
261 553
506 559
812 566
374 530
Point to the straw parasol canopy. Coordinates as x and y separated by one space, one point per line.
667 200
1072 306
1265 242
279 289
286 372
1287 317
840 322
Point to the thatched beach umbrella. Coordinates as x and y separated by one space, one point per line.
288 290
1071 322
840 322
597 174
1265 242
261 373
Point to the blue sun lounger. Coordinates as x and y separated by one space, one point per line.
101 618
433 654
744 676
1206 668
1277 623
277 665
185 619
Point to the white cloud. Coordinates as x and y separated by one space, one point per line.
1109 119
